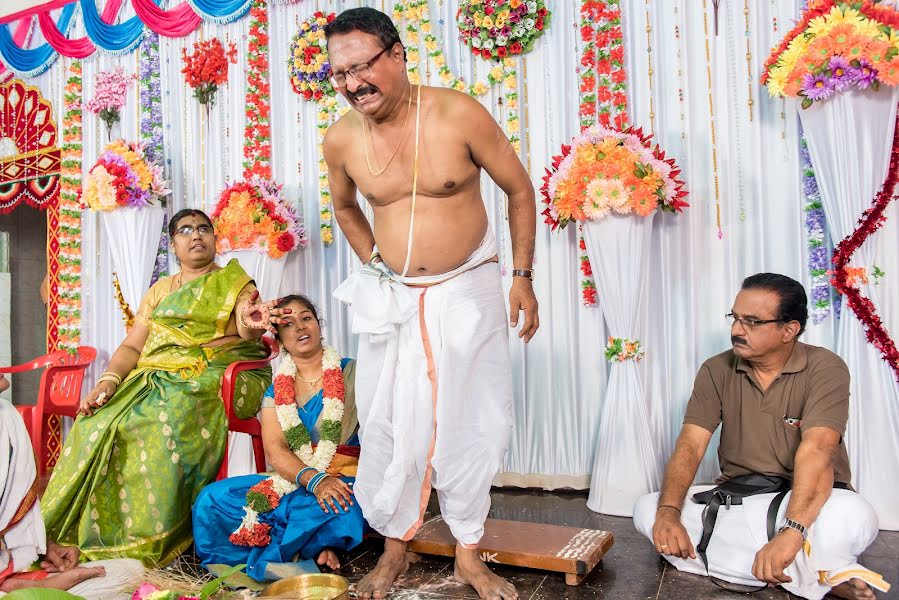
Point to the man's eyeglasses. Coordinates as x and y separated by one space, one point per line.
188 230
748 323
357 72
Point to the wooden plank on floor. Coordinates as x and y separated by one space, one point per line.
570 550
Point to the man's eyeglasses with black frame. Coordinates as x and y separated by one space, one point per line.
357 72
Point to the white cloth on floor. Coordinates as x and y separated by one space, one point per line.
845 527
407 446
27 541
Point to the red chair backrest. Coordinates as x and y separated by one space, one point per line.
60 383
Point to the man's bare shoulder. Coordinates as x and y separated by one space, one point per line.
455 104
339 134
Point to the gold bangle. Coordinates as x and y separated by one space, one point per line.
110 380
110 376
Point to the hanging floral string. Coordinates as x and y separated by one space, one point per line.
603 92
69 290
417 16
151 98
872 220
309 69
818 255
257 150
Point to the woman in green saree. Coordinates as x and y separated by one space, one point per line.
153 431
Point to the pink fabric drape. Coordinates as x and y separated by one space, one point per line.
19 36
175 22
79 47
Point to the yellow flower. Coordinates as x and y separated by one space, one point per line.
487 22
505 14
512 103
500 22
431 45
414 78
516 145
459 86
820 26
327 235
426 27
511 82
413 56
514 3
326 215
792 54
870 29
847 15
412 37
513 125
446 76
777 84
477 20
480 88
496 73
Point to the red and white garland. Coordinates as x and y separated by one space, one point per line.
871 220
266 495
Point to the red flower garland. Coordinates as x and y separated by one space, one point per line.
257 150
872 220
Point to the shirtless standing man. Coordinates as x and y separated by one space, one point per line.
433 386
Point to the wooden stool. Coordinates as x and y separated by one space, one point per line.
570 550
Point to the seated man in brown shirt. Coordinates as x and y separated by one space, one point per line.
782 406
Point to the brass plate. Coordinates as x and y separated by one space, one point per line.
314 586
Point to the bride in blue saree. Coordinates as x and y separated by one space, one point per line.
306 509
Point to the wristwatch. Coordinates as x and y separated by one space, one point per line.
791 524
529 273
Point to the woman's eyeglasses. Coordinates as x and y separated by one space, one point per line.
189 230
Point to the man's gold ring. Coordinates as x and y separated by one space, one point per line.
663 546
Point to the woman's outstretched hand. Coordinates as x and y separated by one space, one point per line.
99 396
257 314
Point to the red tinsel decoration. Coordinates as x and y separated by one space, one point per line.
872 220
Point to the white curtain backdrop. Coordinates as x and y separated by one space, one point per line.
560 374
627 465
133 237
850 139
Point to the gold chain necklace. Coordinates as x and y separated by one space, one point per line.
395 150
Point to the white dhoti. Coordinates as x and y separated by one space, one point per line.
26 541
845 527
434 393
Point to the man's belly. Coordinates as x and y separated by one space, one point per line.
436 247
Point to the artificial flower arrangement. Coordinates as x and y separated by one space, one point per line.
206 68
836 46
110 93
308 63
123 176
607 170
255 215
495 29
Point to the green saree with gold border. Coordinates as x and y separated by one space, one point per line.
128 475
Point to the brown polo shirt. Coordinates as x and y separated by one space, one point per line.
813 389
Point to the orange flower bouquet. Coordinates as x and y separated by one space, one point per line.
254 215
606 170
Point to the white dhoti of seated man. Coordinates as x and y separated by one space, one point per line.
23 540
782 406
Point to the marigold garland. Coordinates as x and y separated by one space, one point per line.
257 149
266 495
871 220
69 285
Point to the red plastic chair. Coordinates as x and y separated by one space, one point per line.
250 426
59 394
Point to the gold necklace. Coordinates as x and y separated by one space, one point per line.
395 150
307 382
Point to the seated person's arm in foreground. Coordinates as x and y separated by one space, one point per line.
668 533
122 362
355 227
245 298
286 464
823 424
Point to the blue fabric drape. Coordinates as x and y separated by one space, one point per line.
221 11
34 61
117 39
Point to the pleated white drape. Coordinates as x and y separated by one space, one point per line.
560 374
626 465
850 138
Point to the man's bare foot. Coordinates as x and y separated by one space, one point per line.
470 569
327 558
854 589
391 565
59 581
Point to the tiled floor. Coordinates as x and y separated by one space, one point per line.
631 570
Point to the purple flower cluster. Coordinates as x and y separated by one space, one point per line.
151 98
161 268
838 76
815 225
